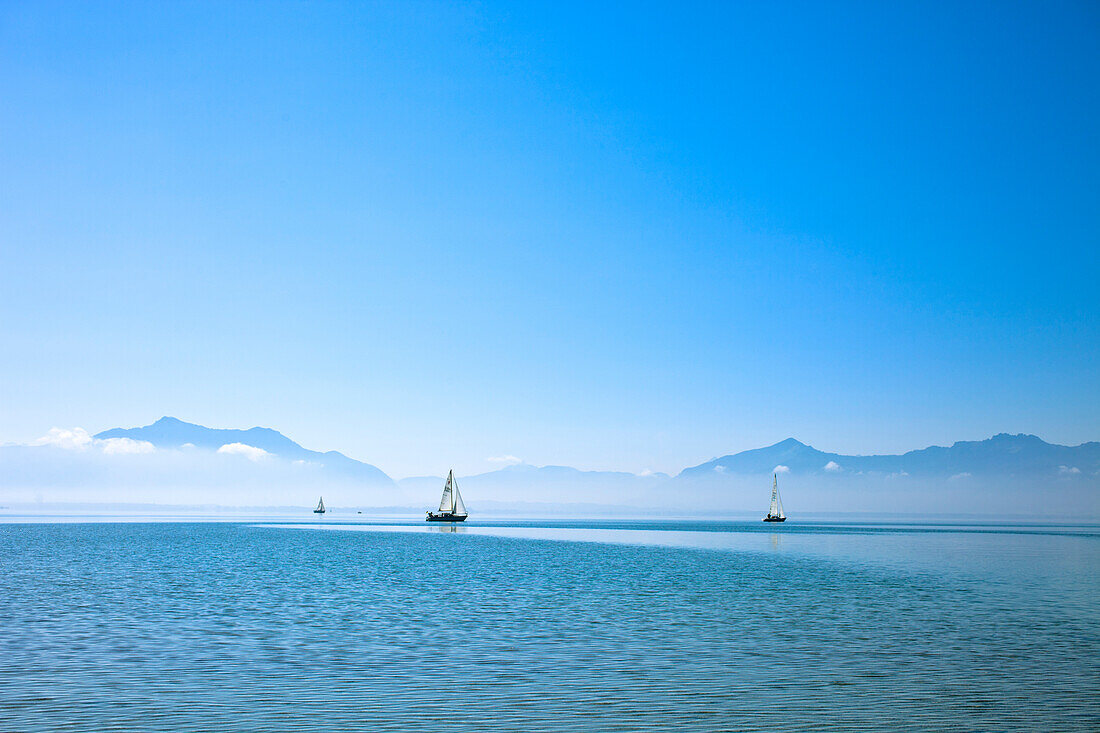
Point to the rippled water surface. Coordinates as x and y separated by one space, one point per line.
564 626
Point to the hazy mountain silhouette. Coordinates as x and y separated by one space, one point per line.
169 432
1003 454
1011 474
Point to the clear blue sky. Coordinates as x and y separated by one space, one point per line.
628 237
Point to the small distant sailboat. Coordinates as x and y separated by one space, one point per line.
320 506
775 513
451 508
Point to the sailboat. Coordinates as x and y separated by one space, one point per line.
320 506
775 513
451 508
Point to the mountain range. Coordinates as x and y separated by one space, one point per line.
172 461
169 432
1003 454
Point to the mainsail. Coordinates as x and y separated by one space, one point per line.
320 505
446 504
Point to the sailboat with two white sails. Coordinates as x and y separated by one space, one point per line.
451 508
775 513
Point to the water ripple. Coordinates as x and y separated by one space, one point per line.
197 627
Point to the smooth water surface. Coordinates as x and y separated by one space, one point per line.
564 626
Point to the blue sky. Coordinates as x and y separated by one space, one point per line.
630 237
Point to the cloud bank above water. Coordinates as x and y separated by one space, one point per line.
78 439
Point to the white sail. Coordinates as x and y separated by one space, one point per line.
446 504
779 503
460 508
774 510
320 505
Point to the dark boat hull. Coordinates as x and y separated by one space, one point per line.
445 517
318 511
775 519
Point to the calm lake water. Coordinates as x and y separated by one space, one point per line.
585 626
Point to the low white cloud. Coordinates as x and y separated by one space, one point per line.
647 472
187 446
250 452
117 446
506 460
78 439
781 469
960 476
719 468
74 439
832 466
1067 470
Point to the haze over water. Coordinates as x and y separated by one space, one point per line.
555 624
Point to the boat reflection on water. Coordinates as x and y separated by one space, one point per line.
448 529
777 544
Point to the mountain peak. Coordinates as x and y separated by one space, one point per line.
1018 438
790 443
1005 441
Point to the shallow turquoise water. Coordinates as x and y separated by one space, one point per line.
564 626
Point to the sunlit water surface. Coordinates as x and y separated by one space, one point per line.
579 626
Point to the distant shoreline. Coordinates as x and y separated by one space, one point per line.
497 510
